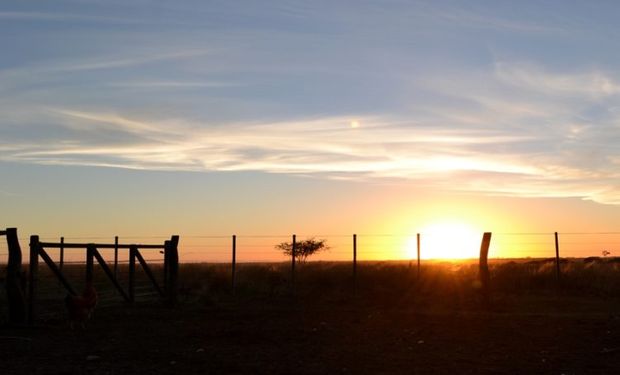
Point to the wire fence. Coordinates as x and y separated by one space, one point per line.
370 247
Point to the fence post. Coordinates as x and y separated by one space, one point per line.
89 264
32 277
557 258
62 253
115 257
167 266
173 269
293 250
14 279
484 266
234 263
132 273
418 247
354 263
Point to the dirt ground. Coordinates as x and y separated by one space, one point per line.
521 335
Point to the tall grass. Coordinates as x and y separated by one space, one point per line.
454 282
393 283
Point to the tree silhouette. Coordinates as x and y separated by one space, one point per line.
303 249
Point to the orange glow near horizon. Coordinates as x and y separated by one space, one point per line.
446 240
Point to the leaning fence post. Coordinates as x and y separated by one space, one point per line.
484 266
234 263
32 277
354 263
14 279
557 257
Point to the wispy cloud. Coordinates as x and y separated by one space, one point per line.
171 84
526 132
484 20
447 158
128 61
592 84
55 71
111 121
60 17
322 145
102 62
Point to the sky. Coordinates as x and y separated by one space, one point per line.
266 118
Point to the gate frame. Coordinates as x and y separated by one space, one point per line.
171 267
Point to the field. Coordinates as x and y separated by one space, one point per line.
394 322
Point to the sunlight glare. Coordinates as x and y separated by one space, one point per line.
446 240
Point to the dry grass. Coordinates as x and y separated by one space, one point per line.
398 282
450 284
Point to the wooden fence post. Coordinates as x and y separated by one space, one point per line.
557 258
167 266
484 267
293 250
62 253
132 273
14 279
418 248
354 263
32 278
234 263
173 269
89 264
115 257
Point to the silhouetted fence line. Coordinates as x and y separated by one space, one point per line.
545 245
484 275
383 246
552 247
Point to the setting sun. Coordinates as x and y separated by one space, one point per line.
446 240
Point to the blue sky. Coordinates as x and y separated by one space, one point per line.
481 98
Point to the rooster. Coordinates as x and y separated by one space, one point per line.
80 308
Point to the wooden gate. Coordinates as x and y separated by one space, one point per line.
167 291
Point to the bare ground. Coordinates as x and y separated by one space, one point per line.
527 335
